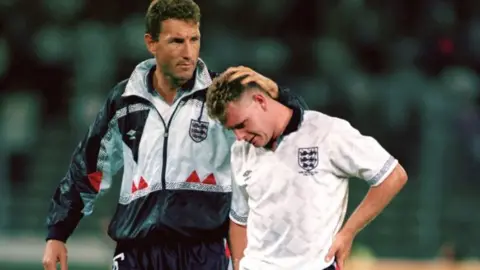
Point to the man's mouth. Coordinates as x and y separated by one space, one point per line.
251 140
185 64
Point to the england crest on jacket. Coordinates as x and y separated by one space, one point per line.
198 130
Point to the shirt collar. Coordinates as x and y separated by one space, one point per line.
292 126
140 81
294 122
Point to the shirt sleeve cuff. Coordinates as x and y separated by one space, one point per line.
384 172
238 219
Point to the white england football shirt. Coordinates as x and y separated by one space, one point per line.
293 200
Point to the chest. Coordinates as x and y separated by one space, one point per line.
188 113
293 171
181 131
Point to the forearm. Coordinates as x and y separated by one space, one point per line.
65 210
375 201
237 242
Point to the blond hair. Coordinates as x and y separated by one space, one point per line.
222 91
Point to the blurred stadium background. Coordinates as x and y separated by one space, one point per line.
404 71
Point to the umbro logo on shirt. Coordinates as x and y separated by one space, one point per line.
247 174
131 134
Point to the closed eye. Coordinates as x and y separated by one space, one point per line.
239 126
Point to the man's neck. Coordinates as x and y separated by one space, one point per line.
166 86
287 121
283 118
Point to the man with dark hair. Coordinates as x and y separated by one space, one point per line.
175 194
290 170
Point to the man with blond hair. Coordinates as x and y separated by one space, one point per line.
290 172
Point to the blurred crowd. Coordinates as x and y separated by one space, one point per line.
403 71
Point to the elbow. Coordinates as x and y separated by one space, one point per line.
402 176
396 180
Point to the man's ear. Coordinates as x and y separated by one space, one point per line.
151 43
261 100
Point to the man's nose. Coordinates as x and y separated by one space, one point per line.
240 134
188 50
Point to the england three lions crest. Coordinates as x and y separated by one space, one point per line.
308 160
198 130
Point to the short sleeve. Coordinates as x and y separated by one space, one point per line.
355 155
239 209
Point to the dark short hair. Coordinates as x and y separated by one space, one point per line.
222 91
161 10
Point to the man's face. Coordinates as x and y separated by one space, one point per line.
177 48
249 120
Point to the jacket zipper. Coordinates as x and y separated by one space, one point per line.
165 143
165 136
